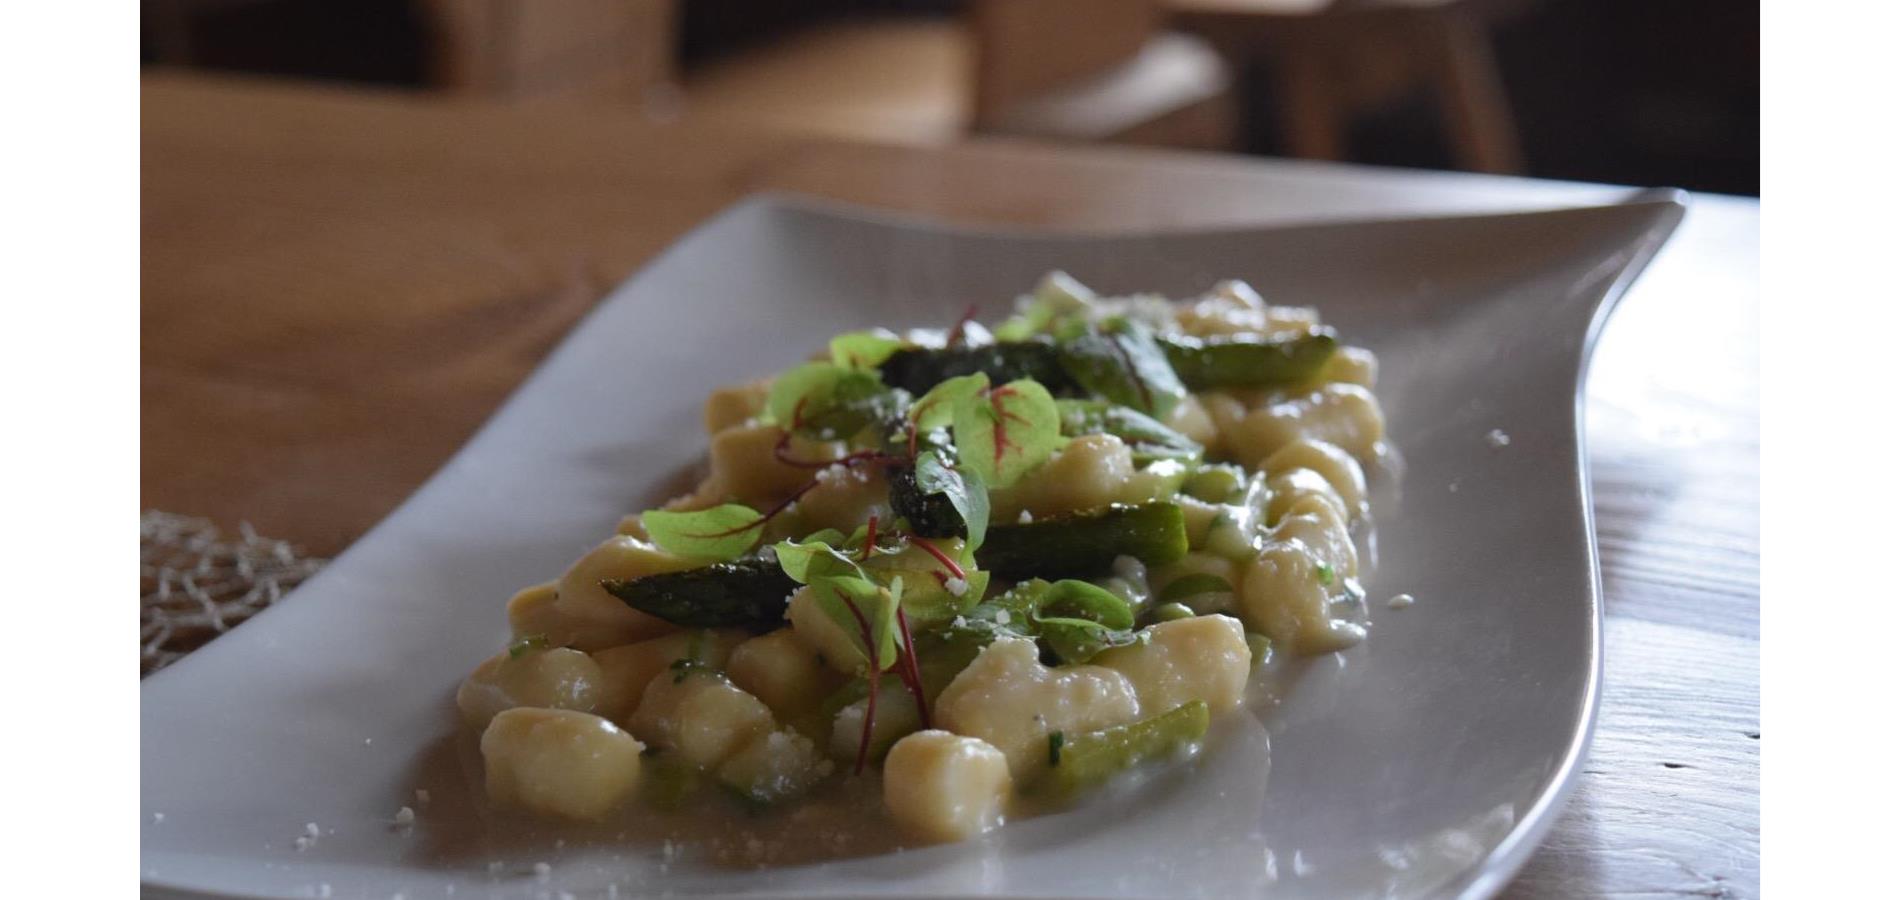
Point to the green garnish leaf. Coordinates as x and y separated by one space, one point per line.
1007 431
828 401
720 534
1194 586
817 556
847 598
1325 573
1121 361
864 350
1055 748
964 488
526 644
937 407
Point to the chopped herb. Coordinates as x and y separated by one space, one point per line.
1055 748
526 644
1325 571
685 667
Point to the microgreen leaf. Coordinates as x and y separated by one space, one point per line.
712 535
864 349
937 407
815 557
828 400
1121 361
845 599
1004 432
965 490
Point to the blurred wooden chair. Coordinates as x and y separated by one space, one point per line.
1096 70
606 50
1332 59
1083 70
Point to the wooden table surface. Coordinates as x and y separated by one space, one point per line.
339 286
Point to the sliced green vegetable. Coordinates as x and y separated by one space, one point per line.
1236 362
1169 612
1261 647
710 535
918 369
1085 761
1215 483
1147 439
1077 620
1195 585
748 593
1085 544
1120 360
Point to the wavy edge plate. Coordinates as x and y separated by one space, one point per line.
1484 878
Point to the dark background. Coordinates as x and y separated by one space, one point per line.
1642 92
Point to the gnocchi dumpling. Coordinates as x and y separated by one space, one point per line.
1345 415
941 786
784 673
557 678
700 715
559 762
1342 474
1204 658
1008 698
585 616
627 670
1089 472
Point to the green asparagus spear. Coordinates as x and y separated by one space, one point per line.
918 369
747 593
1147 438
1083 761
1084 544
1221 363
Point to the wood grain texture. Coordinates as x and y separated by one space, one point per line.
339 287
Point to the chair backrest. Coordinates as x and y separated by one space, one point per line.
1027 47
613 50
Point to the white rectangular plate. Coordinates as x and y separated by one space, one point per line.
1426 762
